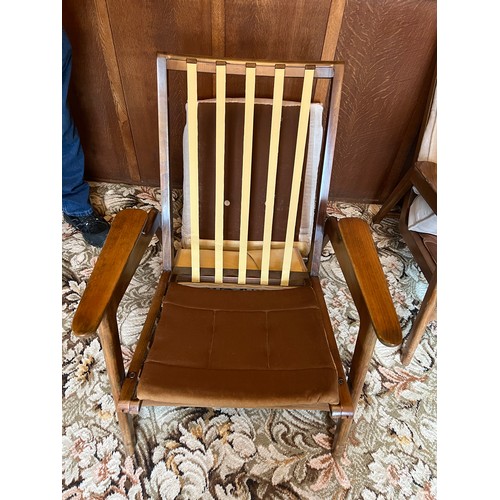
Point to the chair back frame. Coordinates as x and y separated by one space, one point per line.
332 72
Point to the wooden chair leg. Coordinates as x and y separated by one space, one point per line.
110 342
425 315
363 353
128 432
398 192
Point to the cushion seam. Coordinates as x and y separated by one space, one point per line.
241 310
238 369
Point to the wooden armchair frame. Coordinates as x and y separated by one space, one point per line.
422 176
132 230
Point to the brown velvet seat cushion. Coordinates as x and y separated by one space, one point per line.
240 348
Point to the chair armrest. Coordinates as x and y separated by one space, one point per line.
424 178
353 245
128 238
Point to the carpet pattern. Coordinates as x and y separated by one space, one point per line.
246 454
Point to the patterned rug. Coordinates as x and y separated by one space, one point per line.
248 454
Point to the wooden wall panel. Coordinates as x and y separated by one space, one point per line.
90 98
272 30
276 30
389 49
140 30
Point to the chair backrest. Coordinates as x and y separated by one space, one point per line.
256 171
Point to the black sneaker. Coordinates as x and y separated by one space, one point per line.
93 227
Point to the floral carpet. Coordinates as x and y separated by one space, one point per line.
248 454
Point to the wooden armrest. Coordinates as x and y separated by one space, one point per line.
353 245
424 178
128 238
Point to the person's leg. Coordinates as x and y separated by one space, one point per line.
76 205
75 191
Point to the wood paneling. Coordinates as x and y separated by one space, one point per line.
140 30
388 46
275 30
90 99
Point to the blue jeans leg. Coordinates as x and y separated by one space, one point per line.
75 191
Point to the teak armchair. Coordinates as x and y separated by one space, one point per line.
422 177
238 318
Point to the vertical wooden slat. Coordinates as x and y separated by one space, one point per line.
246 170
305 106
115 82
326 172
166 222
220 132
192 117
279 79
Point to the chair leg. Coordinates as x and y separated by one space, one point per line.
110 342
398 192
128 431
363 353
425 315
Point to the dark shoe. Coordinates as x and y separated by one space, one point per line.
93 228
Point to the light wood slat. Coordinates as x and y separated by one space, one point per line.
279 79
246 171
192 112
298 164
220 131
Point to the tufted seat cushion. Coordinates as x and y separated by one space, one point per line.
240 348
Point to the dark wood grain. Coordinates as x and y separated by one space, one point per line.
388 46
363 352
426 313
389 49
130 234
108 50
111 347
127 402
423 175
346 404
140 30
272 30
90 98
326 170
353 245
335 16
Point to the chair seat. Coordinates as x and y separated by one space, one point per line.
240 348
